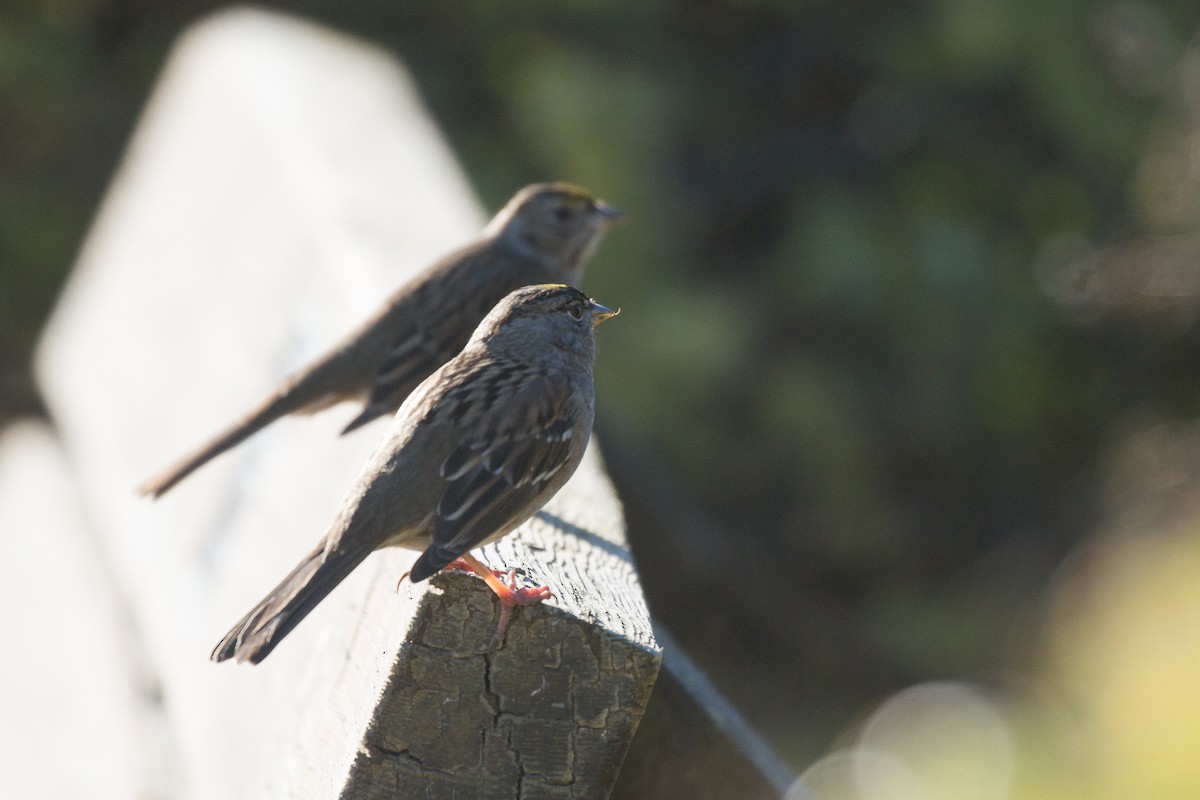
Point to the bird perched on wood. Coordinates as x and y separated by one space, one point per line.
475 450
545 234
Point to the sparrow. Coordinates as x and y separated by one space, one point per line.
475 450
545 234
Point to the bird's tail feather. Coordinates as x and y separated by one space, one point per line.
257 634
433 559
285 402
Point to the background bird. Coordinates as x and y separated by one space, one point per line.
544 234
474 451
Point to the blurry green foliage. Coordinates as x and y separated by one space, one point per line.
835 339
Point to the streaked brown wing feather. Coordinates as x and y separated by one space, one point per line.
500 473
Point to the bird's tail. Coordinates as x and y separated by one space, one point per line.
289 400
256 635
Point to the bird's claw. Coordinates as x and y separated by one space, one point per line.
516 596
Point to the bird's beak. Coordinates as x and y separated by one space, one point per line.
601 313
608 217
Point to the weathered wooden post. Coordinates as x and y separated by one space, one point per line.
282 181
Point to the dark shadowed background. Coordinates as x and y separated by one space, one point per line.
909 348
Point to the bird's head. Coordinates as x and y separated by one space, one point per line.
560 222
548 315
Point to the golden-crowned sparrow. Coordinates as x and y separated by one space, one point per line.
474 451
545 234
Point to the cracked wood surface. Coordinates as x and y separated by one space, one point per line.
282 181
537 717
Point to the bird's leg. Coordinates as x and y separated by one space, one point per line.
509 595
461 565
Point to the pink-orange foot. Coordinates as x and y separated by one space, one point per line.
512 597
509 595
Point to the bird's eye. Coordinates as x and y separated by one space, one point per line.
575 312
562 213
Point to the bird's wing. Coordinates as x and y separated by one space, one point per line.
500 473
437 320
417 350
